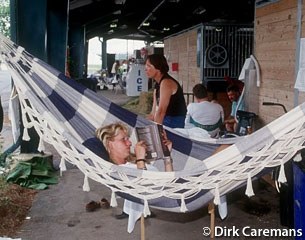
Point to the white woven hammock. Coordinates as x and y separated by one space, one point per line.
66 115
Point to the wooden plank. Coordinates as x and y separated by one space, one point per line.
287 15
274 74
276 33
263 46
275 7
281 69
279 56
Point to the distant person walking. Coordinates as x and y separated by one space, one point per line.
115 68
169 107
115 73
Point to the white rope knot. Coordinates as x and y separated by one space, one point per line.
282 176
113 201
62 165
183 207
25 135
86 186
20 50
146 210
41 147
217 195
249 189
297 157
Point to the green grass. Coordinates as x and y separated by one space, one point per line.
140 105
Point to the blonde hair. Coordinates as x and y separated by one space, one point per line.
108 132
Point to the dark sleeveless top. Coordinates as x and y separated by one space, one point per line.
177 105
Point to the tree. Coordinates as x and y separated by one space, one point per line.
5 22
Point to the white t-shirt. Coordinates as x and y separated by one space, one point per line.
204 113
114 68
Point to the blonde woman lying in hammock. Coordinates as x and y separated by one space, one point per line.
115 138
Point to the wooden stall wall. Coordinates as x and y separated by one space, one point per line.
181 49
275 49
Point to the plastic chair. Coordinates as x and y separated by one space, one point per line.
245 122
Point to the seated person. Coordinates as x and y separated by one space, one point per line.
203 113
115 138
234 93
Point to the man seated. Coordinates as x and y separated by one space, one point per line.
203 113
234 94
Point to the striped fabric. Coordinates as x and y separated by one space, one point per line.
209 128
66 114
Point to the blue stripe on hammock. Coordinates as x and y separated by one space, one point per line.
124 115
193 203
77 86
96 146
23 66
101 101
202 150
183 144
84 129
63 106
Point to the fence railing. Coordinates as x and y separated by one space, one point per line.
189 97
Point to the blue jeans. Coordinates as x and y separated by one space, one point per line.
174 121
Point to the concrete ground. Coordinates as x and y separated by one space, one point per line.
59 212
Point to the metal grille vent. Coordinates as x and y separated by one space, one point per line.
225 48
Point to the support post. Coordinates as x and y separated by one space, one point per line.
142 227
211 210
77 45
57 33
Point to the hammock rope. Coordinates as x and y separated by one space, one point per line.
66 114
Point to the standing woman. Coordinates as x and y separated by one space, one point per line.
169 107
115 68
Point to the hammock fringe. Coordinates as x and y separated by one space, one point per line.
41 147
217 195
86 186
298 157
62 165
282 176
183 207
25 135
113 201
146 210
249 189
